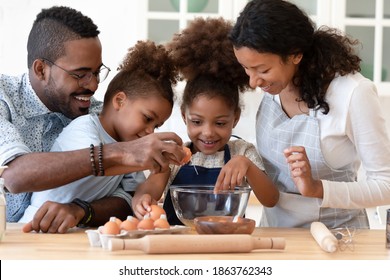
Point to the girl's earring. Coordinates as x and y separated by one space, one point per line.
119 105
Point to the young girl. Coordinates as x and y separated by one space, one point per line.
138 100
210 109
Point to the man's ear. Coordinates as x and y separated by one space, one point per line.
118 100
38 68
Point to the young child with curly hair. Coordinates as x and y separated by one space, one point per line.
138 100
210 109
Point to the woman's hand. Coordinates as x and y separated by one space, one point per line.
301 174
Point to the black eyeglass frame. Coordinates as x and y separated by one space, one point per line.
85 79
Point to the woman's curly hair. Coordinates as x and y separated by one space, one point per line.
206 60
331 54
146 69
280 27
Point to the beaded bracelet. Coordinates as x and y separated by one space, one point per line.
100 159
92 159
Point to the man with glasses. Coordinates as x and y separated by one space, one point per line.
85 78
65 68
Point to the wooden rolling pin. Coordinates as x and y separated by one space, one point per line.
327 241
187 243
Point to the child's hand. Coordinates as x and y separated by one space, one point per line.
233 173
143 206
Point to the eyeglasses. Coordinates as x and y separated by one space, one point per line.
84 79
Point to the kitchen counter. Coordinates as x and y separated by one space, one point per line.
74 245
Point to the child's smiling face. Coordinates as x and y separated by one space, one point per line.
132 118
210 122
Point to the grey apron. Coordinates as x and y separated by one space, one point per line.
275 131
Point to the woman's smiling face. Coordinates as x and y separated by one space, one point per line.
267 70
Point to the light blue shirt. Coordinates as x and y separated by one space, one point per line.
79 134
26 125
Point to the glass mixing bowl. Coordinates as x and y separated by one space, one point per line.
191 201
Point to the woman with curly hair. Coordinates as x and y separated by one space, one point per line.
138 100
210 109
319 120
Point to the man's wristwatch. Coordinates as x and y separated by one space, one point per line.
89 213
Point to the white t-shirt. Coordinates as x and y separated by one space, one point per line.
79 134
354 131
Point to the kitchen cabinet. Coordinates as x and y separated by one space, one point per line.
367 21
163 18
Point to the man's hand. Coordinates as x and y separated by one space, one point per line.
152 152
53 217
